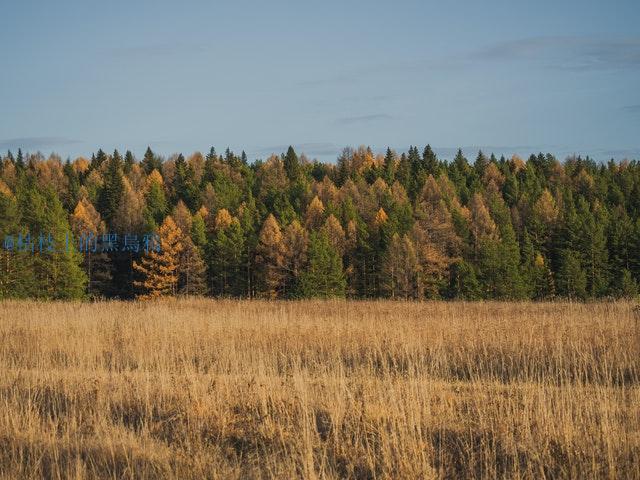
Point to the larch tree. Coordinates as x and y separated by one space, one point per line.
401 269
315 214
270 258
87 227
160 269
296 243
335 233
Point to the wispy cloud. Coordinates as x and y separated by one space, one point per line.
566 52
363 119
34 143
157 50
635 109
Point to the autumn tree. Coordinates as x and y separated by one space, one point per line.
87 227
159 269
401 269
270 258
315 214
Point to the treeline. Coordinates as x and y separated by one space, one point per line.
405 225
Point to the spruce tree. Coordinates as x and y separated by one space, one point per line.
291 164
571 279
324 275
112 190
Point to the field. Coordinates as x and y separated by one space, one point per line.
231 389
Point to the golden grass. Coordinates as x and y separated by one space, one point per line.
238 389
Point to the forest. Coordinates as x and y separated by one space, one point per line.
397 225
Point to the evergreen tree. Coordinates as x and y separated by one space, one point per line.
388 167
16 266
291 164
430 162
20 165
56 263
155 201
129 162
112 190
571 278
150 162
324 276
463 283
226 257
184 185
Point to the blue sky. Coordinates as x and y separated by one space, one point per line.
507 76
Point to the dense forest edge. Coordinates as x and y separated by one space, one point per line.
401 225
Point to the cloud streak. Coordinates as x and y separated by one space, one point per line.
34 143
566 52
634 109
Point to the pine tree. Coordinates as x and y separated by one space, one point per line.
160 269
324 276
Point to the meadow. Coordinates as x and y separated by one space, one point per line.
198 388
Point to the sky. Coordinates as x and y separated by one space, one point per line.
507 77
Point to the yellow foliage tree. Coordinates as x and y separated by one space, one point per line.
315 214
271 258
160 269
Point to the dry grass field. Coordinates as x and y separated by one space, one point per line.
363 390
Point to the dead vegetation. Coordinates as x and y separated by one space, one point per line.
362 390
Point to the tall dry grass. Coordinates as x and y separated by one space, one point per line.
230 389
